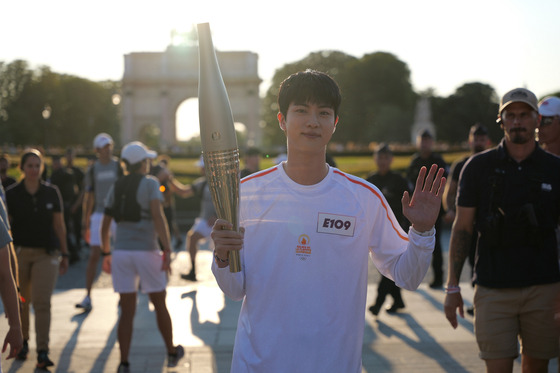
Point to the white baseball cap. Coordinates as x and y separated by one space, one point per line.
135 152
549 106
101 140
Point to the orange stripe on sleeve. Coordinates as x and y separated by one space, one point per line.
380 199
258 174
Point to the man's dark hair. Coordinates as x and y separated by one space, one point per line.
309 86
478 130
383 149
132 168
426 134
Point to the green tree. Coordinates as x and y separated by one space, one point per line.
14 78
377 104
330 62
78 108
379 100
471 103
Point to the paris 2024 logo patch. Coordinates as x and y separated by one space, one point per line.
303 249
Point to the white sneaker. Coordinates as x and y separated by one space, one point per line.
85 304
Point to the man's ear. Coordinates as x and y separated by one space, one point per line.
281 121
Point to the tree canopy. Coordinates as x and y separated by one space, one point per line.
470 104
377 96
43 107
378 104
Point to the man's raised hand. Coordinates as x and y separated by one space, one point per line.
423 209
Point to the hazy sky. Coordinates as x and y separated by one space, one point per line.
445 44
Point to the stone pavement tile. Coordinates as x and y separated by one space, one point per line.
418 339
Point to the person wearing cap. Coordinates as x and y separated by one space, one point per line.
549 139
392 185
99 178
549 127
509 196
137 260
202 226
478 141
425 157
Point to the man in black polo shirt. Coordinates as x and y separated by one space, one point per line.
392 185
511 196
478 142
426 157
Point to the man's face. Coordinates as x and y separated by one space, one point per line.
519 122
549 130
308 126
56 164
105 152
383 162
252 162
69 157
479 143
425 144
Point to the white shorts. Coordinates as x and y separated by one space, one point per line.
129 268
95 229
201 226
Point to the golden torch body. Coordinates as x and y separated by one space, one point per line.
217 135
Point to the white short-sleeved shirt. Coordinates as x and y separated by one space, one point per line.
99 179
304 270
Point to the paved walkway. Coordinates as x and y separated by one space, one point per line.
416 340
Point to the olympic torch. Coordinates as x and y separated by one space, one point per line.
217 135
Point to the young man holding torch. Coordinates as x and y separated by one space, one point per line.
307 230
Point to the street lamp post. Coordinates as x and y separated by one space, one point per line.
46 113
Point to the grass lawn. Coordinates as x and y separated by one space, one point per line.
186 170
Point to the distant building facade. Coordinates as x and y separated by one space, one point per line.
422 119
156 83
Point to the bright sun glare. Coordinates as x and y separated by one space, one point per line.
183 20
187 120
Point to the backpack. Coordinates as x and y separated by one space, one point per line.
125 206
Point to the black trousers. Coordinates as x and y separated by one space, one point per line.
388 287
437 257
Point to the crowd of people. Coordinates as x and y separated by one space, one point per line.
48 218
320 225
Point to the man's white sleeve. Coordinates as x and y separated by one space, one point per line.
232 284
413 264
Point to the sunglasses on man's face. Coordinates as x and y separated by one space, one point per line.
545 121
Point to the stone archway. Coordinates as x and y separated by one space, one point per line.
156 83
